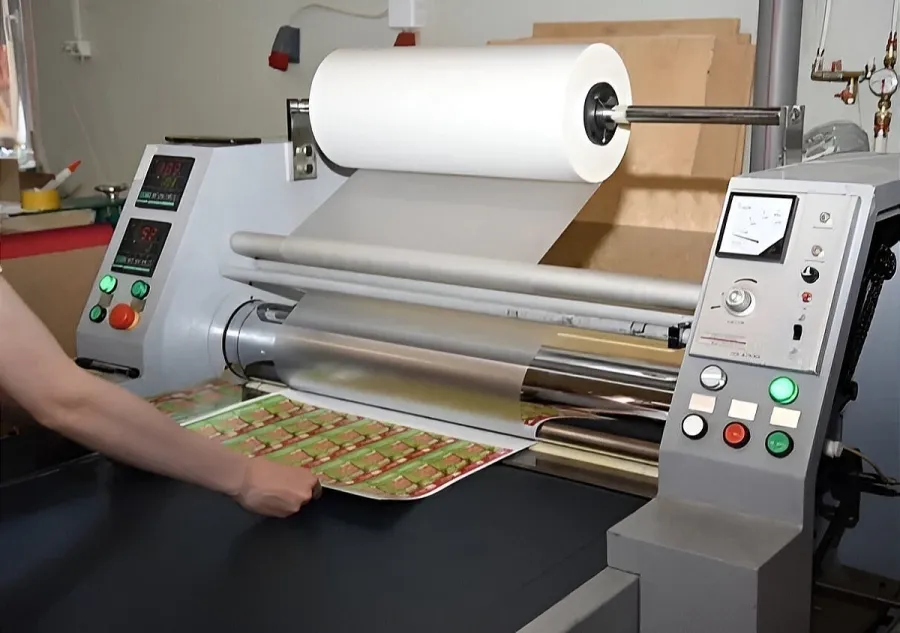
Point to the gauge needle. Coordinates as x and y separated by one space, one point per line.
749 239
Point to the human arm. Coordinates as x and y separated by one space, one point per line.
36 373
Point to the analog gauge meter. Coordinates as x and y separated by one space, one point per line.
757 227
883 82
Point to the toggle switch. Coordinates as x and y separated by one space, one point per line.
798 331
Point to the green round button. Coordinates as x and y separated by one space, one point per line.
140 289
779 444
108 284
783 390
97 314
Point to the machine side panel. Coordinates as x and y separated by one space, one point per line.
707 571
607 602
754 394
790 297
872 423
97 340
188 302
733 520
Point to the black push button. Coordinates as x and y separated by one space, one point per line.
798 331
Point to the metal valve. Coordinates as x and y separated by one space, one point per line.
111 191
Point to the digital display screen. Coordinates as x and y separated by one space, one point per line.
165 182
757 226
141 247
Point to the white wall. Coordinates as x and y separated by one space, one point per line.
199 66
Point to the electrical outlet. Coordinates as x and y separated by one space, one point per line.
407 14
79 49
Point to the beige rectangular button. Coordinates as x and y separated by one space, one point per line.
787 418
741 410
702 403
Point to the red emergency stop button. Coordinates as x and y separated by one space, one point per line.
123 317
736 435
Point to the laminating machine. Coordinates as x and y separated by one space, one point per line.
733 448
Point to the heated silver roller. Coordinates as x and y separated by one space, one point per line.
589 401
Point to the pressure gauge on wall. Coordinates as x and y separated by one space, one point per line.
883 82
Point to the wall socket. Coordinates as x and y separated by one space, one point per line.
79 49
407 14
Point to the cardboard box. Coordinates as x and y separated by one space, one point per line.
55 283
9 180
13 181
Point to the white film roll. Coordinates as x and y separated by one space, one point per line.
493 111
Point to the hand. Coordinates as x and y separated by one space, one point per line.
276 490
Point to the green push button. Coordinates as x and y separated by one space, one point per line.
779 444
108 284
140 290
97 314
783 390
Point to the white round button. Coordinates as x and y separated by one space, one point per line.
693 426
713 377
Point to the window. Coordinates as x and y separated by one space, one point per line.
17 84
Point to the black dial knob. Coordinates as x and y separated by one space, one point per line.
810 274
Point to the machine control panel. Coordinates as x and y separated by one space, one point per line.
137 257
783 392
122 316
125 289
165 182
770 289
141 247
749 394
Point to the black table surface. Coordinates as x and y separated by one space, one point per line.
99 547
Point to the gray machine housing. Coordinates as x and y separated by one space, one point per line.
727 545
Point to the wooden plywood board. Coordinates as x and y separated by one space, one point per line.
28 222
722 27
648 252
731 84
682 203
56 286
655 217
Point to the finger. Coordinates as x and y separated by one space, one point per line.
290 507
317 490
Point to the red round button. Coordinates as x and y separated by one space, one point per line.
123 317
736 435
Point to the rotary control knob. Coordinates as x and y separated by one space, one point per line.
738 300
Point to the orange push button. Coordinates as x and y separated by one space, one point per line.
123 317
736 435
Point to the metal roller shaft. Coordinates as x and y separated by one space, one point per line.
597 397
603 442
692 114
475 272
250 338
